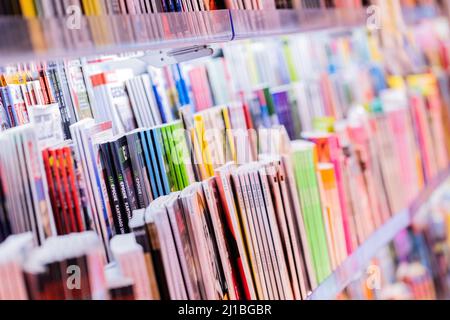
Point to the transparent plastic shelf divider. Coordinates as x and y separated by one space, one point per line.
259 23
323 19
356 264
428 192
28 39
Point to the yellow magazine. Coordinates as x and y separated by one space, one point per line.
396 82
229 133
199 126
215 135
36 35
28 8
96 8
87 7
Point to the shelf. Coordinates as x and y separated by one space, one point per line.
263 23
360 259
45 39
428 192
330 19
259 23
355 264
52 38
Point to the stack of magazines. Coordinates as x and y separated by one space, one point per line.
250 175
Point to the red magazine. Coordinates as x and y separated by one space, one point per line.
66 189
240 258
73 188
54 200
59 190
43 79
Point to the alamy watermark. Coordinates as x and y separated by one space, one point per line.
74 14
373 280
374 21
74 277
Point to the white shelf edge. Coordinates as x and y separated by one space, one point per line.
360 259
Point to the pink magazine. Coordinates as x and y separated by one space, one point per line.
329 100
12 286
130 258
406 151
423 134
328 151
360 137
200 88
437 128
97 280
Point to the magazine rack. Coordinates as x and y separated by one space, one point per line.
51 38
355 265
